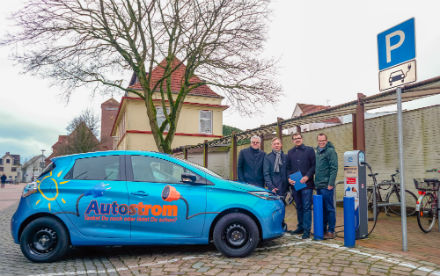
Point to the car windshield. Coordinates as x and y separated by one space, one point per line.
201 168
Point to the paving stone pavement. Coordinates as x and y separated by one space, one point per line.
288 255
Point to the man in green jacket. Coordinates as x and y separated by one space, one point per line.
325 176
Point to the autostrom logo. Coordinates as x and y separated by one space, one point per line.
140 209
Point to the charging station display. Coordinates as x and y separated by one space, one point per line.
355 186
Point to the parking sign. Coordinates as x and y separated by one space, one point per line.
396 45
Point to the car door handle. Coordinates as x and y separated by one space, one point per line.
140 193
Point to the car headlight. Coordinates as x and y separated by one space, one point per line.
265 195
29 189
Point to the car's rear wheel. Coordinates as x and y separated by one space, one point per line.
236 235
44 240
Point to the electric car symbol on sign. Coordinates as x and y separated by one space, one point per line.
140 198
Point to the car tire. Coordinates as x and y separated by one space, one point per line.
236 235
44 240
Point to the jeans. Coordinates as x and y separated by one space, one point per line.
303 201
329 209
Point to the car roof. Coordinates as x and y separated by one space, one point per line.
110 152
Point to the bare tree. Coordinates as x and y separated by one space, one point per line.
82 132
87 117
89 42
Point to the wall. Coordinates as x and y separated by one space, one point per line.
421 146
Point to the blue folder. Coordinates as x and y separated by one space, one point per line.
297 177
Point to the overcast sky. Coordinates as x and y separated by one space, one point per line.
327 52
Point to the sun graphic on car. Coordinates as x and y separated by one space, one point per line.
46 182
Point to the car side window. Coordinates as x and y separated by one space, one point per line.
95 168
156 170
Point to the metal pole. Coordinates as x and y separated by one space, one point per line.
205 154
402 171
438 209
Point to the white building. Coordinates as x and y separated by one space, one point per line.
33 168
304 109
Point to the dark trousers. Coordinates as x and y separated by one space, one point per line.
303 201
329 209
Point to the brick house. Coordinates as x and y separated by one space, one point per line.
109 110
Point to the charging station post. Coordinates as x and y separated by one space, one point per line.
355 185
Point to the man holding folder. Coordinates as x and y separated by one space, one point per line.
300 169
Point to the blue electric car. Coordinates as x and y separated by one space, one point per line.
140 198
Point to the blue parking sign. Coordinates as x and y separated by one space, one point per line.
397 44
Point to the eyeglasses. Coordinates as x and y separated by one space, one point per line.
322 140
255 142
298 138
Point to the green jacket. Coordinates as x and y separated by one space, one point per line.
326 166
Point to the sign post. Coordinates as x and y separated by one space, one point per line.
397 65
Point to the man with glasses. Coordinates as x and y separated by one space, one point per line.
326 171
250 164
302 158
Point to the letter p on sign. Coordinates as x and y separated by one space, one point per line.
396 45
390 47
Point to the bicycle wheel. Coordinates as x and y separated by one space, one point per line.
410 202
370 205
427 213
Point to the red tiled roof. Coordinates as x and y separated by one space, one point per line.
311 108
176 80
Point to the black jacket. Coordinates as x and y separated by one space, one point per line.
302 158
273 179
250 166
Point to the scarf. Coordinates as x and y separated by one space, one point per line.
278 162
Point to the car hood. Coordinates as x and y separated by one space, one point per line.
239 186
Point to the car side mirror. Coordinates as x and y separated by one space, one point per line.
188 178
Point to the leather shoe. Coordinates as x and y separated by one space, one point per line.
329 235
305 236
297 231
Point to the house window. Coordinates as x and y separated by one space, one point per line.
206 121
1 169
1 161
161 117
14 169
8 161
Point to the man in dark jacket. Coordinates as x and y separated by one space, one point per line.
3 180
250 164
325 177
274 169
302 158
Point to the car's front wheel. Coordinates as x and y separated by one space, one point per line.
236 235
44 240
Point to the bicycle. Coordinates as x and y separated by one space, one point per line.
427 204
392 200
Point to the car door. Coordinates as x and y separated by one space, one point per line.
95 197
162 206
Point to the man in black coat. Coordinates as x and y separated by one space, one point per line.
250 164
274 169
302 158
3 180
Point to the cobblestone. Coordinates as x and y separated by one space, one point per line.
288 255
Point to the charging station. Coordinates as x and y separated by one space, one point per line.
355 185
